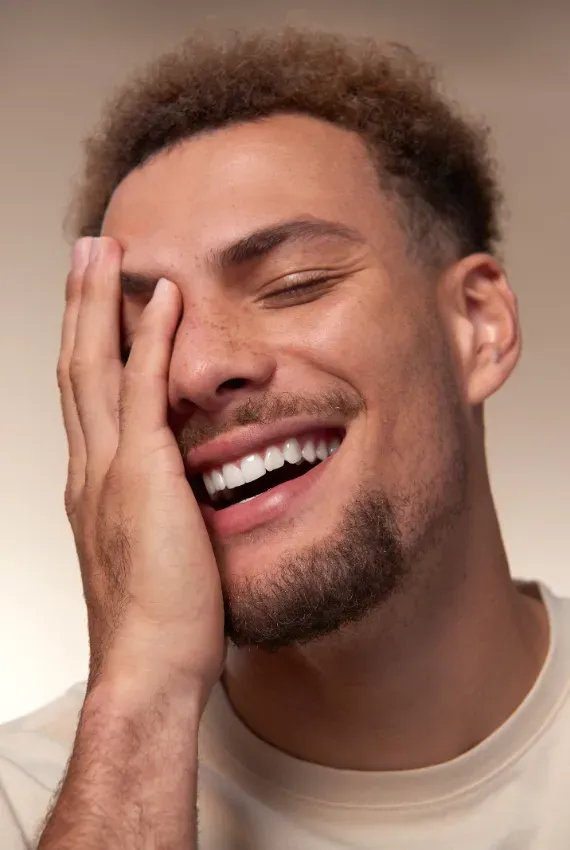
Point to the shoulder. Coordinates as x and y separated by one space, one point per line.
34 751
550 695
558 608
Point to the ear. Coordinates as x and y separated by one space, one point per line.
481 312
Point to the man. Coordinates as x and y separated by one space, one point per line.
284 316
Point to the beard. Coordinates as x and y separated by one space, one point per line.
381 546
325 586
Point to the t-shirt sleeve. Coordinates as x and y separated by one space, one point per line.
13 837
34 752
29 777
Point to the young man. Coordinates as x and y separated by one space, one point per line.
283 319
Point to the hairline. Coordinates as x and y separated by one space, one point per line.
444 244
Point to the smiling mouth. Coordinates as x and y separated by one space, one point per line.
259 472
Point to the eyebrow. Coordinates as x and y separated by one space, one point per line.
256 246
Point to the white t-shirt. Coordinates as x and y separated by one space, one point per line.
512 792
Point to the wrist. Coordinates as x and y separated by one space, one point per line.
144 662
124 695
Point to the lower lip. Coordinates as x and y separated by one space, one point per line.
265 508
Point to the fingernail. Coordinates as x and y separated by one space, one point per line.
161 288
95 246
81 251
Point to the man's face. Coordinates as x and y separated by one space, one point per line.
318 332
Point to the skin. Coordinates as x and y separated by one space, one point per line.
440 664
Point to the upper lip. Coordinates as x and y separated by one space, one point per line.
249 439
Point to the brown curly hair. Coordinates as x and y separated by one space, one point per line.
433 161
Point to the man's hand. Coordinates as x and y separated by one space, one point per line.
150 578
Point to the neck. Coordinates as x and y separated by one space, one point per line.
423 680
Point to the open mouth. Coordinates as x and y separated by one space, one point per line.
257 473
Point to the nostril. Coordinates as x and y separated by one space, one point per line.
233 384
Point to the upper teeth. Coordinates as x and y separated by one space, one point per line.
253 466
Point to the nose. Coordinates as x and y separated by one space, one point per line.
214 365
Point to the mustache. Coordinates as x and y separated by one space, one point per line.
269 409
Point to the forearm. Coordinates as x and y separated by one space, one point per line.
131 781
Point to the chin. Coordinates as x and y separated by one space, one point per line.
289 588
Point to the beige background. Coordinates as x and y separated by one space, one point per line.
507 60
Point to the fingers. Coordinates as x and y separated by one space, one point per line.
144 393
73 430
96 366
99 395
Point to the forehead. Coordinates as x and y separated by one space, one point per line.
219 186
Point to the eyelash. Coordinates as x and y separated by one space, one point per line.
298 289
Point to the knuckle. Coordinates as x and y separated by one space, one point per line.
119 474
70 501
109 485
112 484
78 367
121 486
62 374
72 286
89 283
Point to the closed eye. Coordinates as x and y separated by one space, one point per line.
298 292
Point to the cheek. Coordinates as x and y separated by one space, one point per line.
339 335
421 440
411 434
361 337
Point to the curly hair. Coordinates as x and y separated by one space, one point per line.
433 161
